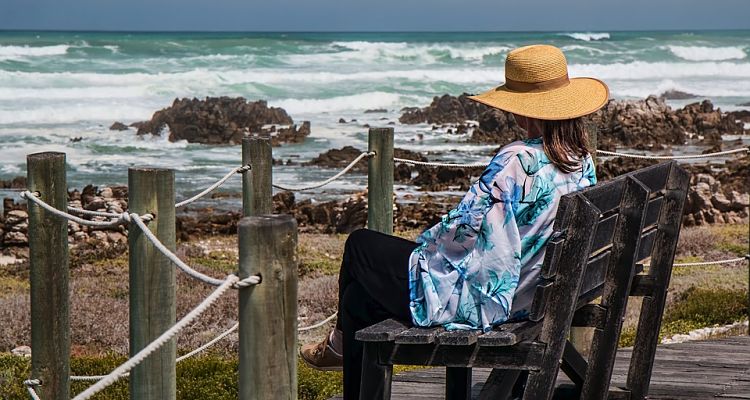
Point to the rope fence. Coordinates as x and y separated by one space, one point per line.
704 263
329 180
120 371
233 281
213 187
684 157
439 164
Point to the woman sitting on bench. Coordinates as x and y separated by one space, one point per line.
478 267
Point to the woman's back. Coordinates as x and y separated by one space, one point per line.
479 265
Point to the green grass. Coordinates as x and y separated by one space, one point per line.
697 308
200 378
220 261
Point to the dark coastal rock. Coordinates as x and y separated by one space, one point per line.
340 158
118 126
18 182
714 197
445 109
376 111
643 124
672 94
223 120
740 115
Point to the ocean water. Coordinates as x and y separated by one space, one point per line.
58 86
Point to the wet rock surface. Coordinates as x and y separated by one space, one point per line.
643 124
223 121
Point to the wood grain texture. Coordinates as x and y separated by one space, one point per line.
380 181
152 283
268 311
662 257
257 190
619 276
556 324
704 370
49 275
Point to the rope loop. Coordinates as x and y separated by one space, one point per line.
247 282
244 168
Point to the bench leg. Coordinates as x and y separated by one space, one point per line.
500 384
376 378
457 383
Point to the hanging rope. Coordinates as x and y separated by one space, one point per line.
249 281
329 180
319 324
685 157
703 263
213 187
120 371
121 218
30 385
439 164
181 358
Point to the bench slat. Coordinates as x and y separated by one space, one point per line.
381 332
458 338
418 335
590 315
511 333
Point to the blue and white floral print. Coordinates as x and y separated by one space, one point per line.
478 267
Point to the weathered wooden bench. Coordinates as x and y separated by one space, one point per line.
601 235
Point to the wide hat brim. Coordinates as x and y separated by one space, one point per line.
582 96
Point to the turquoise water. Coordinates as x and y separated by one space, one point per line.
59 86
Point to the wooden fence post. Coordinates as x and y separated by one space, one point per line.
152 283
48 259
268 311
582 337
257 192
380 181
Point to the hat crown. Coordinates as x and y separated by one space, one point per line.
536 63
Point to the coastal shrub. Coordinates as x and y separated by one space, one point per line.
708 307
696 308
200 378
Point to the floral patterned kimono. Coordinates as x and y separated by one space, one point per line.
479 266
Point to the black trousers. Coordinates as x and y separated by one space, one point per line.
373 286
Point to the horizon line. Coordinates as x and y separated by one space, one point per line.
379 31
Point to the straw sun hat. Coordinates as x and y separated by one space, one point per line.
537 86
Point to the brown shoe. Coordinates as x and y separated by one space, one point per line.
321 357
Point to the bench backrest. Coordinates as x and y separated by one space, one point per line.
635 216
651 185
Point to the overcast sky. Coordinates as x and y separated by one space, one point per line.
374 15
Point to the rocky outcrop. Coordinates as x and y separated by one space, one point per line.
14 223
223 120
118 126
724 199
18 182
645 124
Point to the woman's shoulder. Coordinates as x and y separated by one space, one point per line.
522 146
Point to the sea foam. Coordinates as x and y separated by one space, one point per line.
701 53
16 52
587 36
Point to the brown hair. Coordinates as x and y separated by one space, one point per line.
565 142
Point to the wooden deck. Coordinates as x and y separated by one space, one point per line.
695 370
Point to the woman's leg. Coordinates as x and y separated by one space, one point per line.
358 311
380 263
373 286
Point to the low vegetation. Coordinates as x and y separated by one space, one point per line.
698 297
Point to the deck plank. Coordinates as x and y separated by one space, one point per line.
711 369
